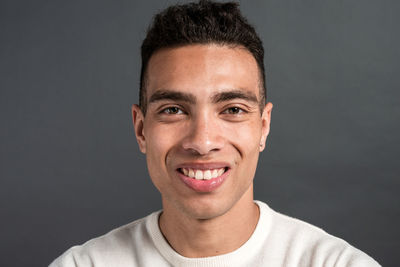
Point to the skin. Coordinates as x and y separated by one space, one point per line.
203 108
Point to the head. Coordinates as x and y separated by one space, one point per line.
205 22
202 119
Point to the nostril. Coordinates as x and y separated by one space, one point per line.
202 146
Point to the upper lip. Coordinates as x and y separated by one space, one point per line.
204 165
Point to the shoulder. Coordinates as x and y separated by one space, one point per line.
119 245
303 244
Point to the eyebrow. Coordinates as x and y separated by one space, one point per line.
172 95
166 94
234 94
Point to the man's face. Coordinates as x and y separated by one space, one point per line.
203 128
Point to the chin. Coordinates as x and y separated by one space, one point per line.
205 209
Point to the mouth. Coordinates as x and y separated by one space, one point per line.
204 178
201 174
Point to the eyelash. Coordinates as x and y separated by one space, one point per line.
239 111
165 110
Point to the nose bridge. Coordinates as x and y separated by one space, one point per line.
203 133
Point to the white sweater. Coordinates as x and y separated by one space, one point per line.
278 240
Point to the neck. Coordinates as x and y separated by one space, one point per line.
197 238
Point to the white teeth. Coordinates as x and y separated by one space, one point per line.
199 175
191 173
203 174
207 175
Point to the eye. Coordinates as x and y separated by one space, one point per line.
172 110
233 110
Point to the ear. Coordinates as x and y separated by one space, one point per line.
266 122
138 124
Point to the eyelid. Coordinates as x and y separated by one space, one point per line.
243 109
163 108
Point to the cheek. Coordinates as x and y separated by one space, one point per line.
244 136
155 157
161 141
158 138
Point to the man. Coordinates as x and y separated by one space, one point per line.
202 121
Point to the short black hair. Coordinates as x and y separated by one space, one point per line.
203 22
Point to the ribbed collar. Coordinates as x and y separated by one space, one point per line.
234 258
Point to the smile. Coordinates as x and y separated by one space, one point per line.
202 174
204 178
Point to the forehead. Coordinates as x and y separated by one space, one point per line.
203 70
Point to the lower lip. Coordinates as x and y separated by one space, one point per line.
204 186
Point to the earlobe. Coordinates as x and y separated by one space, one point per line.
138 124
266 123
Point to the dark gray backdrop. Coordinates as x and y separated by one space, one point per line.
70 167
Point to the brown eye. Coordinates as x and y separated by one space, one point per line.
172 110
233 110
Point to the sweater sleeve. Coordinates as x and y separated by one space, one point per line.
352 257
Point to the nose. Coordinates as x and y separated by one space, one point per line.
204 135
